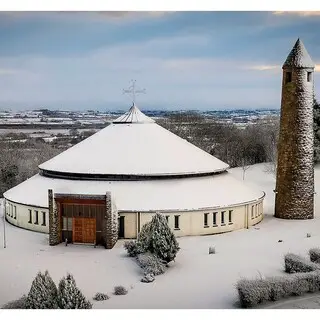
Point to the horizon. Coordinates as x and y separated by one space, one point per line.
218 61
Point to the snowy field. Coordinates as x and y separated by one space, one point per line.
195 280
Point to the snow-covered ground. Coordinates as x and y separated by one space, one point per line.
195 280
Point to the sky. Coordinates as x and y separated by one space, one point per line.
184 60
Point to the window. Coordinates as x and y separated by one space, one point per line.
288 77
11 211
176 222
43 218
30 216
36 213
222 217
309 76
167 218
252 212
205 220
215 219
66 223
15 212
230 216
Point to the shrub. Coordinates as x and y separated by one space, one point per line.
100 296
151 264
314 255
120 290
132 248
256 291
295 263
43 293
16 304
69 296
157 238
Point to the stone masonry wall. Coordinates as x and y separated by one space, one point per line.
54 221
110 224
295 171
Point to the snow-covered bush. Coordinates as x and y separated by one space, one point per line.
151 264
147 278
43 293
156 237
256 291
314 255
16 304
69 295
294 263
132 248
100 296
120 290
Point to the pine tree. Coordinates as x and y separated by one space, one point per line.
157 238
43 293
69 296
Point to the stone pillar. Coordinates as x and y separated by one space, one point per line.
110 223
295 167
54 220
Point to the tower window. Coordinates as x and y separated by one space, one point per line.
36 217
309 76
30 216
222 217
230 216
288 77
43 218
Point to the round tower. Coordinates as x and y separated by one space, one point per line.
295 172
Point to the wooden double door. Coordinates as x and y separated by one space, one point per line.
84 230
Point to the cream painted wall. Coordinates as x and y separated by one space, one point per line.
191 223
22 216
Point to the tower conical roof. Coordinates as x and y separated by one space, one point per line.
133 145
298 57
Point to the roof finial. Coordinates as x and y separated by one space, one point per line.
132 89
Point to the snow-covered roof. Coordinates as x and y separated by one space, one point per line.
183 194
135 148
134 115
299 57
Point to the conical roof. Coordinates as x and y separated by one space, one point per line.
133 145
298 57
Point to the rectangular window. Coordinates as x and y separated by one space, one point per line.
43 218
288 77
167 218
66 223
11 210
15 212
215 218
176 222
309 76
205 220
230 216
222 217
252 214
30 216
36 213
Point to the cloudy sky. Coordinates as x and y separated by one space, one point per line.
185 60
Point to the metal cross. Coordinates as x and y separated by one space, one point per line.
133 91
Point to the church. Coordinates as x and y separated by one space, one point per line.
110 184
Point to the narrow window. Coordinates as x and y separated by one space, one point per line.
288 77
222 217
252 212
11 210
205 219
309 76
176 222
43 218
36 212
230 216
30 216
167 218
15 212
214 218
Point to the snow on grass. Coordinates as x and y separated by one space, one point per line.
195 280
